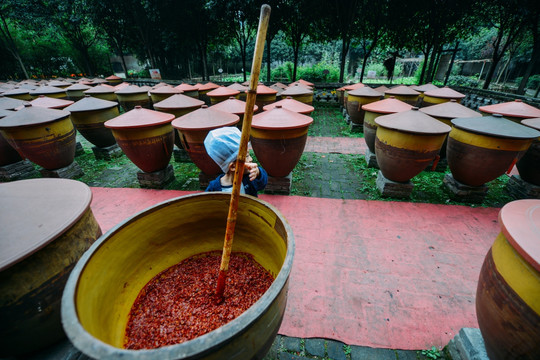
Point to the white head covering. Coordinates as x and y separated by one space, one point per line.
222 145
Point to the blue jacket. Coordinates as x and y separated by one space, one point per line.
250 187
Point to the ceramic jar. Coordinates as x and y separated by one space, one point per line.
507 300
382 89
234 106
192 130
222 93
163 92
97 301
51 103
291 104
89 116
35 261
44 136
529 165
131 96
482 149
204 89
447 111
513 110
49 91
403 93
356 99
241 88
265 96
103 92
346 90
18 93
278 138
299 93
8 155
75 92
188 90
407 142
373 111
145 136
442 95
113 80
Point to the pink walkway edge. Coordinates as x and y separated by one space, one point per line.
380 274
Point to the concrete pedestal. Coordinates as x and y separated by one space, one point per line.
520 189
465 193
107 153
181 156
79 150
72 171
356 128
279 185
392 188
371 159
18 171
204 180
157 179
468 344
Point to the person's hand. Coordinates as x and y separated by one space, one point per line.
252 169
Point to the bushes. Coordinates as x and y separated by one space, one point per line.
314 73
532 83
460 80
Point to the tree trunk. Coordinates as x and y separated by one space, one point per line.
268 52
431 63
424 65
491 70
367 54
535 57
11 46
345 44
449 71
435 64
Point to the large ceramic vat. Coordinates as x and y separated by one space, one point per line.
346 90
104 92
75 92
278 138
299 93
291 104
145 136
163 92
407 142
481 149
204 89
44 136
515 110
508 293
188 90
113 80
403 93
265 96
442 95
8 155
47 224
89 116
131 96
241 88
356 99
222 93
529 165
373 111
192 130
447 111
107 279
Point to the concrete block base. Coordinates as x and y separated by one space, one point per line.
181 156
157 179
465 193
107 153
279 185
392 188
521 189
468 344
71 171
79 150
371 159
18 171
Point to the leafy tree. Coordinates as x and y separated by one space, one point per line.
10 16
532 16
275 25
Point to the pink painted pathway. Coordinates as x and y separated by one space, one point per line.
379 274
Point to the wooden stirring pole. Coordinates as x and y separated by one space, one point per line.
246 127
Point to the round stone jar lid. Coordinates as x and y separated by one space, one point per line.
35 212
496 125
520 224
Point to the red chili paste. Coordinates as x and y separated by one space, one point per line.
179 304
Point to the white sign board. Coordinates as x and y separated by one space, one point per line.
155 74
371 74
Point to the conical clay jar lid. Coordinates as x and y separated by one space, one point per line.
280 118
290 104
51 103
208 86
77 87
90 103
32 115
496 125
387 106
186 87
101 89
4 113
233 106
444 93
16 91
223 91
44 90
265 90
402 90
352 86
382 89
297 90
520 222
424 88
450 110
413 121
132 89
239 87
178 101
515 108
8 103
365 91
139 118
205 118
533 123
166 90
113 77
